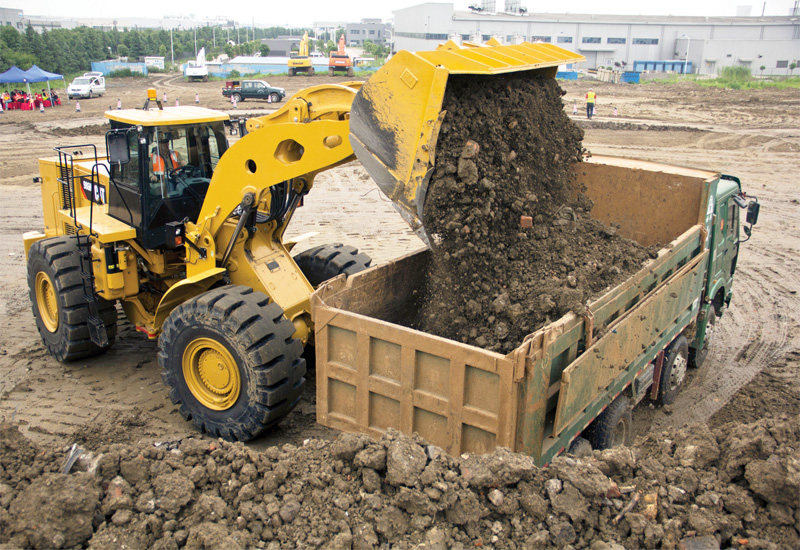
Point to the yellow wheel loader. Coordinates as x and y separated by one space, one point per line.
187 234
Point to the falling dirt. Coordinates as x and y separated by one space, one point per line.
507 154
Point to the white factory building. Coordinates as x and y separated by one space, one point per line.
708 43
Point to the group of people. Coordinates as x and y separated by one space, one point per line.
19 97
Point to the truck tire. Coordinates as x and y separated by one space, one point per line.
274 98
673 372
237 98
697 356
330 71
580 448
231 363
327 261
613 428
57 299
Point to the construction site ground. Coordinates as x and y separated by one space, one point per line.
752 371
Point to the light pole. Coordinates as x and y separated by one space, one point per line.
171 46
195 41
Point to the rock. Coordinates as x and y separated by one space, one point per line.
374 457
495 497
569 502
347 445
497 469
364 538
56 510
775 479
172 491
553 487
371 480
405 461
697 447
122 517
707 542
392 523
289 511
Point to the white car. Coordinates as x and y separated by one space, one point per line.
88 85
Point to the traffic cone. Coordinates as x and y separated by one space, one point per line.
575 108
196 98
165 97
269 98
615 111
233 100
77 106
177 103
119 104
41 107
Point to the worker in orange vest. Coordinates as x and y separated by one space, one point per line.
162 160
591 98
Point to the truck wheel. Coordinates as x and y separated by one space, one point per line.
238 98
350 71
673 372
580 448
614 425
327 261
230 362
274 98
697 356
56 291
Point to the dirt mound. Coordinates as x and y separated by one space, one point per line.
739 483
507 153
636 126
90 130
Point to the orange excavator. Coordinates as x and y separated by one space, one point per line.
340 61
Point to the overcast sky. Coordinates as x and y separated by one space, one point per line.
305 12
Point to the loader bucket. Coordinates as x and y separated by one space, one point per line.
396 116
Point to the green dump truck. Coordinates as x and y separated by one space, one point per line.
573 380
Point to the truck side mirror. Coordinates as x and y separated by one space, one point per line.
117 147
747 231
752 213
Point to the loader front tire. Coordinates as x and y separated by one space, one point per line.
57 298
231 363
327 261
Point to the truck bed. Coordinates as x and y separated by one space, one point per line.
374 374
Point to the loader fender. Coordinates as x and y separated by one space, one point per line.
183 291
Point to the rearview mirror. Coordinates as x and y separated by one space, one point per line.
117 147
752 213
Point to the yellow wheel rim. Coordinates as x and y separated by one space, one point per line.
211 373
47 301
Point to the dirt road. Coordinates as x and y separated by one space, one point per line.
119 397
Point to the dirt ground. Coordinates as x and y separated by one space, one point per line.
754 368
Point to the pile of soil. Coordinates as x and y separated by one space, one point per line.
734 487
507 150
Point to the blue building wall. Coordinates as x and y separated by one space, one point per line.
106 67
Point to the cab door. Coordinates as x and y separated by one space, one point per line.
728 226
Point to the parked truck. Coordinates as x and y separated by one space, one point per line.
197 71
253 89
572 381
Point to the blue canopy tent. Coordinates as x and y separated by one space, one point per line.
35 74
15 75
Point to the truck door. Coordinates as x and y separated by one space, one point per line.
728 214
260 90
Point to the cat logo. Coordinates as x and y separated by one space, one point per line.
93 192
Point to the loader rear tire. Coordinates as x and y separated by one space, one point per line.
614 426
57 298
231 363
327 261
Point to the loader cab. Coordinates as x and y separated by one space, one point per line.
160 172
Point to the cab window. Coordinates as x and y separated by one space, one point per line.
733 219
128 174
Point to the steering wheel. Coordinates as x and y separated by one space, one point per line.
187 171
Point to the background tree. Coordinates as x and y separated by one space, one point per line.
264 48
